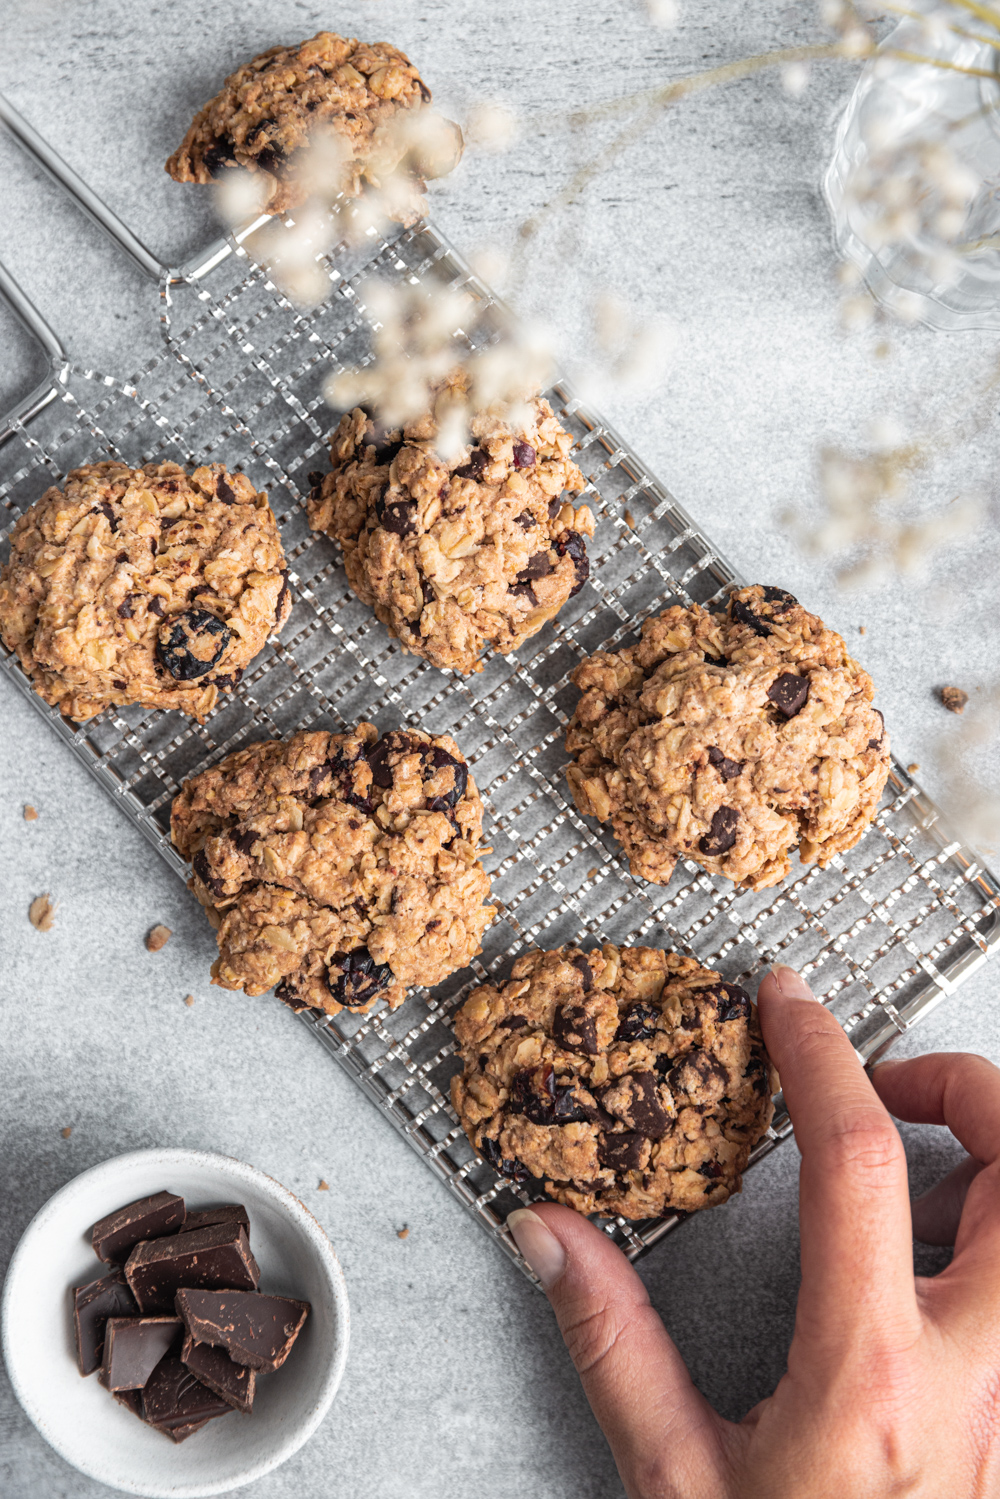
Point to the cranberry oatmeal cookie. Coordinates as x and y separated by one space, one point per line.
340 867
628 1079
729 739
147 585
455 555
367 98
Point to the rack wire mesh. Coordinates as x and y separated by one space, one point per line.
883 934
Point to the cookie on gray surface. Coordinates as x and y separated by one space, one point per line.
730 739
365 101
339 867
151 585
629 1080
456 554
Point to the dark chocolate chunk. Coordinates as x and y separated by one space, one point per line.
219 155
378 756
283 593
108 513
525 520
131 1400
575 1030
623 1152
202 869
157 607
133 1346
208 1257
271 158
638 1023
225 490
354 978
722 834
234 1383
699 1077
731 1002
174 1399
115 1236
788 693
505 1166
756 1071
245 839
634 1100
524 455
397 516
538 566
877 743
716 661
254 1328
779 596
745 616
711 1169
728 769
582 967
314 477
230 680
191 643
439 759
126 608
478 459
93 1304
513 1023
555 505
288 992
228 1212
571 544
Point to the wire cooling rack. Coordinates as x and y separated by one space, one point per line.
883 934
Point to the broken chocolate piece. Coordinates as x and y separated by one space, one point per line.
625 1152
210 1257
228 1212
131 1400
728 769
133 1346
234 1383
635 1100
744 615
174 1399
575 1030
788 693
93 1304
117 1235
254 1328
722 834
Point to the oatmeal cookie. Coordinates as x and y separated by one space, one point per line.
147 585
341 867
454 555
628 1079
366 98
729 739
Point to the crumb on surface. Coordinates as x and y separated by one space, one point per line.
66 1132
953 698
157 937
324 1186
41 913
592 872
913 768
862 630
403 1233
630 519
189 1000
30 815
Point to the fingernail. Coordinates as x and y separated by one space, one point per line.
790 985
541 1249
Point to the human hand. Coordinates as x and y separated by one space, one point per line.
893 1381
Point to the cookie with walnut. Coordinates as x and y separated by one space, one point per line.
366 100
150 585
628 1080
732 739
458 553
340 867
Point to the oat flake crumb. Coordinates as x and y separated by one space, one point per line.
323 1186
402 1233
630 519
912 769
954 699
862 630
41 913
66 1132
189 1000
158 937
591 872
30 815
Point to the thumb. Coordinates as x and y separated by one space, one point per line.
666 1439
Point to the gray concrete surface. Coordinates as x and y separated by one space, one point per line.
457 1377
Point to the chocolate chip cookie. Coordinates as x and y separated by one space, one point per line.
730 739
148 585
457 554
340 867
628 1080
365 102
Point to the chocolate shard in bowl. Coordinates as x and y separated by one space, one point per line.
133 1346
253 1328
227 1212
93 1304
232 1382
116 1236
131 1400
174 1399
208 1257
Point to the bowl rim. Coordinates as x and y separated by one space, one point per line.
169 1158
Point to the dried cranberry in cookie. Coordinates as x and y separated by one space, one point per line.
729 739
628 1080
458 554
150 585
362 105
339 867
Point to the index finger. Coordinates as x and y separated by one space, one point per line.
854 1205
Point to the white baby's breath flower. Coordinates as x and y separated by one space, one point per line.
795 79
491 126
663 13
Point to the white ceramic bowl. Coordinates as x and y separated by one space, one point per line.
81 1420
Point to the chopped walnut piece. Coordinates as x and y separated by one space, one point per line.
66 1132
912 768
158 937
189 1000
30 815
953 698
324 1186
402 1233
41 912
